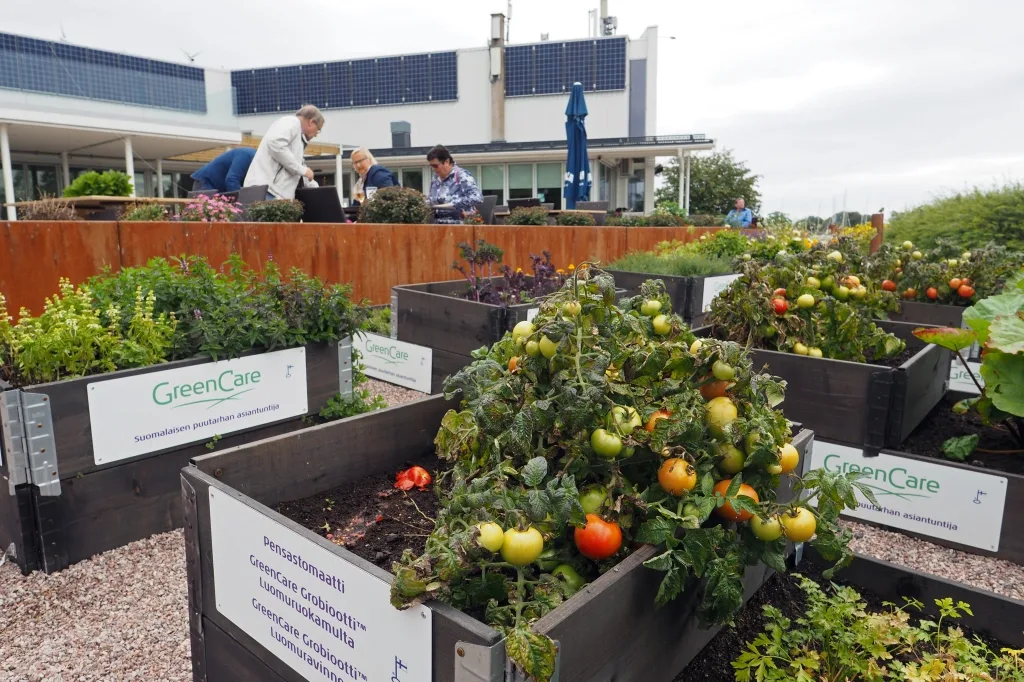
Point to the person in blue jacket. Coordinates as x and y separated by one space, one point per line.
226 173
371 174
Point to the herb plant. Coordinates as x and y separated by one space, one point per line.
139 212
575 219
839 639
527 215
278 211
378 321
677 264
552 467
360 402
111 183
396 205
481 269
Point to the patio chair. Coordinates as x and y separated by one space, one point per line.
487 209
599 218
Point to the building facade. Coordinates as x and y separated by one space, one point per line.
500 109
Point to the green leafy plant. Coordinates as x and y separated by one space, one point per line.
997 323
677 264
838 638
140 212
278 211
49 208
551 428
632 221
527 215
378 321
664 219
967 219
396 205
111 183
576 219
705 220
360 402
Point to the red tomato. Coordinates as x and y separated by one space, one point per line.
600 539
965 291
779 293
716 389
910 293
726 511
955 283
781 306
653 421
932 293
413 477
889 285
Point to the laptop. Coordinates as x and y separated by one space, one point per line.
322 205
523 203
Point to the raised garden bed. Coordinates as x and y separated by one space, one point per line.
77 481
864 405
691 296
929 314
231 528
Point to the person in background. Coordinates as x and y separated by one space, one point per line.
371 174
278 163
739 216
226 173
453 189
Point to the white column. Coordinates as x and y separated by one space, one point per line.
649 185
682 183
65 168
160 178
5 159
129 163
689 165
339 177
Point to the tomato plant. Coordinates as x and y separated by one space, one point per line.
598 539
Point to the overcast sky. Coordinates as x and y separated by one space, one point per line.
865 104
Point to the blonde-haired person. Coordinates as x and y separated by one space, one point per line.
278 163
371 174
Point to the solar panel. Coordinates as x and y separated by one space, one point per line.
416 78
549 68
390 89
289 88
611 64
552 68
364 83
518 70
241 83
314 84
264 91
444 70
339 85
579 64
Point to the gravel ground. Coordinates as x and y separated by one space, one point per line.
984 573
394 395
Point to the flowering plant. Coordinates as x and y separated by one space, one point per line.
215 209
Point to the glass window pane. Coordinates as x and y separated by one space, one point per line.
45 181
549 174
140 184
520 176
493 177
22 184
168 180
413 178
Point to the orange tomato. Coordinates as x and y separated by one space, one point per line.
653 421
715 389
726 511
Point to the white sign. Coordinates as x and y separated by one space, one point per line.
714 286
960 378
327 619
532 313
945 502
396 362
150 412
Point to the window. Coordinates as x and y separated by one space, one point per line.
520 181
492 182
140 184
45 181
413 178
635 195
549 184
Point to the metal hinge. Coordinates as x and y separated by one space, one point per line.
345 367
394 314
478 663
28 441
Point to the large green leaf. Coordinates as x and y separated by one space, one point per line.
979 316
960 448
1004 381
1006 334
533 653
951 338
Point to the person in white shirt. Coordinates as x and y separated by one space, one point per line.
278 163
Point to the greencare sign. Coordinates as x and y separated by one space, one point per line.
951 503
395 362
148 412
713 286
960 378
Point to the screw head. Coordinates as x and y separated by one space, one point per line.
460 651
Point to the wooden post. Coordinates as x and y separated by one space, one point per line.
877 222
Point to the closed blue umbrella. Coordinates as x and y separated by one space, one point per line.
577 167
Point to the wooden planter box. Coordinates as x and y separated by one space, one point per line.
853 403
691 296
62 500
609 630
935 314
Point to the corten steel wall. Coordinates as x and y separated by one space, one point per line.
33 255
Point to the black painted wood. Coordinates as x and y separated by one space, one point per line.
444 364
939 315
230 661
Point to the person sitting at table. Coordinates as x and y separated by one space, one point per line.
453 189
226 173
739 216
371 174
278 163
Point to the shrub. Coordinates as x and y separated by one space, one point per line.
278 211
576 219
678 264
134 212
49 209
704 220
613 221
111 183
528 215
379 322
396 205
632 221
969 219
663 219
204 209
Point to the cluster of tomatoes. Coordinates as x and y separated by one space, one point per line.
960 285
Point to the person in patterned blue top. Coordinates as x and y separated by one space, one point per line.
453 190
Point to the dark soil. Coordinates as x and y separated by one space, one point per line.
897 360
942 424
370 517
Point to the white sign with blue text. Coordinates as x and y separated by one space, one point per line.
396 362
154 411
327 619
951 503
713 286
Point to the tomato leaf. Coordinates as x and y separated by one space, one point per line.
535 471
536 505
662 562
698 548
707 487
960 447
1006 334
671 585
774 555
980 315
1004 381
734 486
723 590
534 654
951 338
742 503
655 531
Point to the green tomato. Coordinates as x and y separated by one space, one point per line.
593 498
908 245
547 560
917 255
491 536
721 412
548 348
805 301
800 349
732 458
522 547
522 330
650 307
723 371
605 444
835 256
695 346
860 292
568 574
532 348
627 452
751 441
690 509
843 293
953 262
768 332
814 282
766 531
625 418
966 255
571 308
828 282
661 325
746 256
814 352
